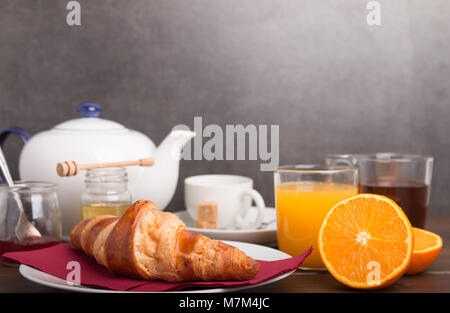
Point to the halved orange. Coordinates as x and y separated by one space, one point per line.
427 246
366 241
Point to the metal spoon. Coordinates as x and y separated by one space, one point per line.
24 229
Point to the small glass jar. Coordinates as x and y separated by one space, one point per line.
106 192
30 217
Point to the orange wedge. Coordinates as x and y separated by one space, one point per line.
427 246
366 241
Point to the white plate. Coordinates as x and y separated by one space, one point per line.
252 250
266 235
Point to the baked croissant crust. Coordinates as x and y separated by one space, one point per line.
151 244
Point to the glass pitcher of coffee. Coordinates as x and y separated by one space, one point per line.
405 178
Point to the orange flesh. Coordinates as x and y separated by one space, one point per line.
427 246
363 230
424 240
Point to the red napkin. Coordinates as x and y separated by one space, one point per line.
54 261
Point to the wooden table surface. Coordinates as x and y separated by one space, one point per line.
436 279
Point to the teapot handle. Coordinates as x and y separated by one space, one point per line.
23 134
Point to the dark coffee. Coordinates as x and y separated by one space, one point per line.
411 196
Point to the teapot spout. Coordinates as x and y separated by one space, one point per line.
171 146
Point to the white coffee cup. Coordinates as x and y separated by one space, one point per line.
233 195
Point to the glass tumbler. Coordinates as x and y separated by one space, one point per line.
30 217
303 196
405 178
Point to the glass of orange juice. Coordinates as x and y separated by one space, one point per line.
303 196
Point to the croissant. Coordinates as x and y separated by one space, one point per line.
151 244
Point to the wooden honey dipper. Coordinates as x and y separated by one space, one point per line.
71 168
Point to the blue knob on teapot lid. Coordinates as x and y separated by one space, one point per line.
88 109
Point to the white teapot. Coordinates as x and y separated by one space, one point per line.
90 139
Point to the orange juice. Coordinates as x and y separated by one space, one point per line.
301 208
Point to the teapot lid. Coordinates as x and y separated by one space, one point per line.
89 120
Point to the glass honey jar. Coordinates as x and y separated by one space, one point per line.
106 192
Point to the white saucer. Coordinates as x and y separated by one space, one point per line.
265 235
254 251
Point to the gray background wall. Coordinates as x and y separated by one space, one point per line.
332 83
